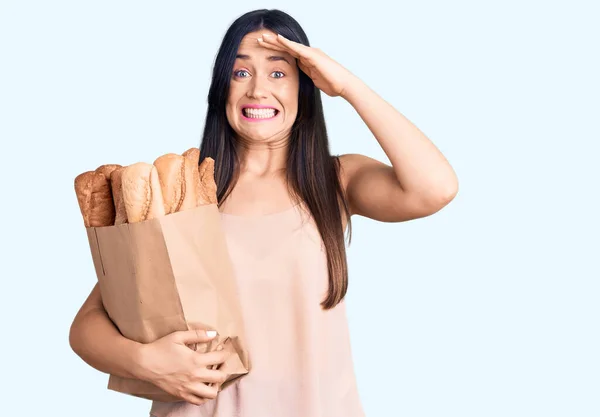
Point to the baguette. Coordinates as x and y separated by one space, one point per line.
94 196
142 192
116 186
102 211
107 169
83 189
170 168
193 154
175 173
191 180
208 186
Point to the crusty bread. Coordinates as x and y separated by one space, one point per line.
171 174
176 176
189 187
95 196
107 169
83 189
190 184
102 209
192 155
142 192
208 186
117 192
113 194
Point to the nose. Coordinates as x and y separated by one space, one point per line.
257 88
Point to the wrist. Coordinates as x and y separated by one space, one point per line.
354 89
139 369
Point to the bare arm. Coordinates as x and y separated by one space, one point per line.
95 339
420 181
167 362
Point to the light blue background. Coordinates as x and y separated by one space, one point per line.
488 308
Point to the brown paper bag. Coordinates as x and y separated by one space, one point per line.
167 274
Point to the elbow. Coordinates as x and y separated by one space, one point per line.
452 187
448 191
442 198
75 337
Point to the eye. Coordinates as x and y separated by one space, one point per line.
282 74
237 72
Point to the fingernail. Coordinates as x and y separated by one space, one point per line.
220 347
211 333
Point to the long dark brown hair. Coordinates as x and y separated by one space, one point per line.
312 173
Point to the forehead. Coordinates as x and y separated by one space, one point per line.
251 50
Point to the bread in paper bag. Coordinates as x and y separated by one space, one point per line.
168 268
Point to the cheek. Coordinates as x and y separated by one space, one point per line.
231 108
230 116
289 92
288 96
232 99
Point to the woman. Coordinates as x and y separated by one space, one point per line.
285 204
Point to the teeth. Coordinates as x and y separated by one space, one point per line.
259 114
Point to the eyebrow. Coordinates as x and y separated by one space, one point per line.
269 58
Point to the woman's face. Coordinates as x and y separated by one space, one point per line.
264 78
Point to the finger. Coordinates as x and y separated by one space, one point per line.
296 47
270 45
194 399
277 44
268 38
209 376
212 358
194 336
200 389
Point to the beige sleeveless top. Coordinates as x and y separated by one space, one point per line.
301 358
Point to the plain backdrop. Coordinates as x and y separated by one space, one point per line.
487 308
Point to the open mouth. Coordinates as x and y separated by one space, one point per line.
259 114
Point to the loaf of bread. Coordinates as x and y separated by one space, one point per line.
193 155
208 186
94 195
175 173
117 192
142 193
190 181
102 206
83 189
